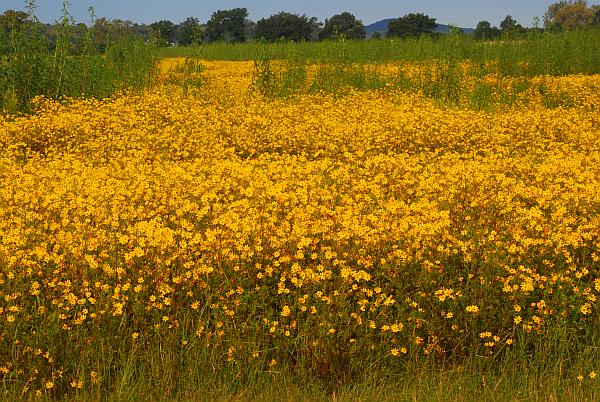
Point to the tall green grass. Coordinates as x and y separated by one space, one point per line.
453 70
285 69
72 70
178 365
544 53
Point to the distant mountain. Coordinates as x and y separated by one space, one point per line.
381 26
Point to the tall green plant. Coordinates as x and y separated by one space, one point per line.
31 70
62 49
24 72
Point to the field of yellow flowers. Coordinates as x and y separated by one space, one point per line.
321 234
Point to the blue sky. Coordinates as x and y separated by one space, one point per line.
460 12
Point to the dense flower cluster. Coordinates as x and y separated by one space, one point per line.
283 231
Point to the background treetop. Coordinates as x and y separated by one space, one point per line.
227 25
411 25
287 26
345 24
569 15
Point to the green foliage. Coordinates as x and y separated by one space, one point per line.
283 70
107 31
344 24
511 28
190 32
509 24
411 25
536 53
189 76
227 25
29 69
163 32
280 78
11 21
12 17
287 26
295 75
485 31
129 64
192 79
570 15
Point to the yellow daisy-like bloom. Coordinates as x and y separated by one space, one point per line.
472 309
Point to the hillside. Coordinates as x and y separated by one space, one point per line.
381 26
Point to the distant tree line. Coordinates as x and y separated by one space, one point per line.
234 26
560 16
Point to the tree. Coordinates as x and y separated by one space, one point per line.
13 18
163 32
411 25
75 36
376 35
287 26
250 27
344 24
569 15
485 31
142 31
227 25
510 27
105 31
189 31
121 29
509 24
550 15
